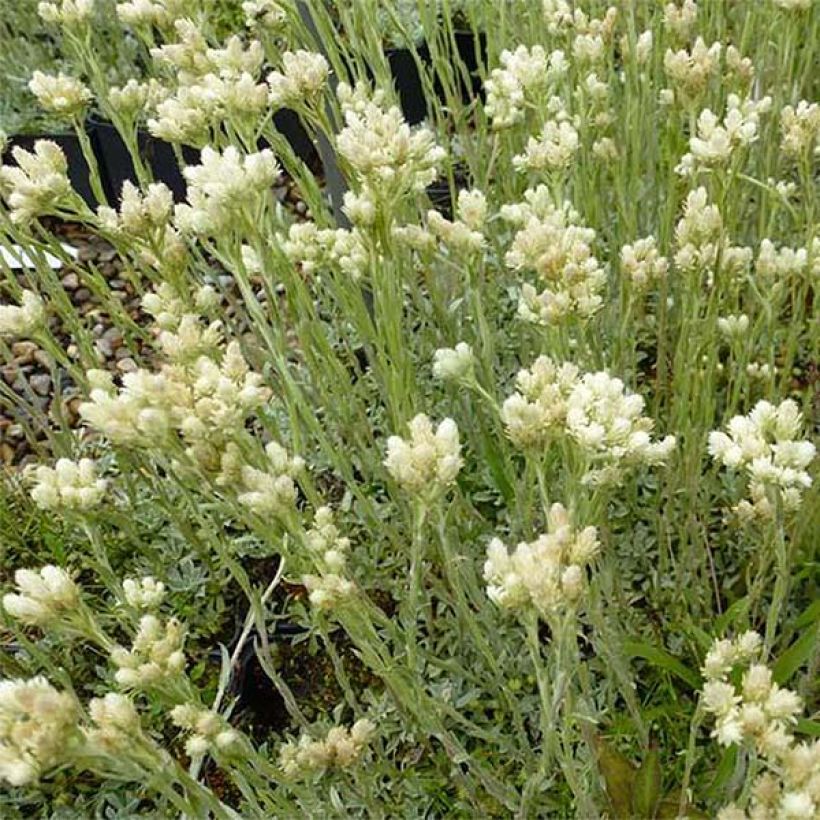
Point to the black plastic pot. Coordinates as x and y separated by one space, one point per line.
118 168
408 82
78 171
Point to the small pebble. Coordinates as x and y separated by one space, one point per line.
41 384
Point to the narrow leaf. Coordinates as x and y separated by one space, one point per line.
619 776
646 793
795 656
663 660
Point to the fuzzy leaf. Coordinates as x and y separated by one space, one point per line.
646 792
664 660
795 656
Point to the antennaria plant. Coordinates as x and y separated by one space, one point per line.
489 462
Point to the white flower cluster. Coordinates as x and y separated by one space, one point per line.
143 593
606 422
551 243
116 725
537 411
23 319
453 363
271 491
733 327
801 129
594 410
168 306
553 150
341 748
140 215
715 143
680 20
465 233
134 98
548 573
759 713
208 731
59 94
388 157
37 725
155 656
521 81
39 184
206 403
43 596
765 444
429 460
699 232
643 264
328 550
776 265
222 187
147 13
302 79
312 248
69 485
689 72
65 12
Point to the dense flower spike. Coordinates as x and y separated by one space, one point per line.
549 573
303 78
429 460
766 446
37 726
155 656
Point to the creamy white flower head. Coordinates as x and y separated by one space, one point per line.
554 150
453 363
43 596
39 184
116 725
269 15
208 731
699 232
69 485
37 727
303 77
222 186
537 411
765 446
547 574
271 491
328 591
341 747
384 152
689 72
643 264
155 656
680 20
801 129
65 12
733 327
559 250
25 319
143 593
429 460
60 94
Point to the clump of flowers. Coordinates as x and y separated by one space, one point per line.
465 233
553 150
313 248
607 423
801 129
43 596
387 156
690 71
521 80
65 12
116 725
328 550
699 232
758 713
23 319
37 726
60 94
208 731
303 77
69 485
429 460
551 243
143 593
536 412
643 264
453 363
155 656
39 184
271 491
340 748
766 446
548 574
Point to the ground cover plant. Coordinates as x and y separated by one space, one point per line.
491 463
